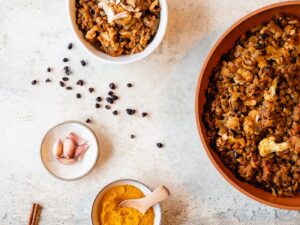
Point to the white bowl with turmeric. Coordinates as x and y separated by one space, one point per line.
105 210
119 31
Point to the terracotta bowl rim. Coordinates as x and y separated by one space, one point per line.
201 131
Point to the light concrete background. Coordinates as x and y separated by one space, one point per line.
34 35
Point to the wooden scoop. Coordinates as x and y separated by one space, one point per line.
143 204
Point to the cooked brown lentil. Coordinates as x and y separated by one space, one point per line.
252 113
123 36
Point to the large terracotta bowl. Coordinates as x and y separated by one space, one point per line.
224 44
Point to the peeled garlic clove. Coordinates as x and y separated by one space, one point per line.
76 139
57 148
69 148
80 150
66 161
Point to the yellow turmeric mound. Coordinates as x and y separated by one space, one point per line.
111 214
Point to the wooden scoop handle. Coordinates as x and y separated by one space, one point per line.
159 194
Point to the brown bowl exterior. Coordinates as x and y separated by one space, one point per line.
224 44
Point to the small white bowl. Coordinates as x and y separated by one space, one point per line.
146 190
124 59
80 168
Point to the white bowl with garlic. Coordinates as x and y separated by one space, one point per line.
69 150
119 31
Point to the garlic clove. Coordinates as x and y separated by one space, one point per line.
57 148
66 161
76 139
69 148
80 150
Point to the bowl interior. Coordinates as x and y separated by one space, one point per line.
225 43
125 58
142 187
78 169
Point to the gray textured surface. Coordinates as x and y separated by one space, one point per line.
33 35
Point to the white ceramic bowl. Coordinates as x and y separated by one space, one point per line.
125 59
146 190
79 168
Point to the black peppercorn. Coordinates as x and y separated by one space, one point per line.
78 95
129 85
159 145
70 46
65 79
47 80
112 86
115 112
107 107
98 99
65 59
69 88
132 136
83 63
80 82
130 111
110 100
144 114
62 84
97 105
34 82
91 90
48 69
88 121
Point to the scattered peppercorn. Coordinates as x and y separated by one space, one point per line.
114 97
78 95
97 105
69 88
65 79
80 82
115 112
112 86
62 84
34 82
159 145
132 136
107 107
144 114
83 63
70 46
47 80
88 121
91 90
67 70
130 111
65 59
129 85
110 93
48 69
110 100
98 99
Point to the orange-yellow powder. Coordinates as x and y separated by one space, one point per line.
111 214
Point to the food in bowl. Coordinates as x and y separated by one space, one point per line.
70 150
252 113
118 27
109 212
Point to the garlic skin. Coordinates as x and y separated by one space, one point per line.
66 161
80 150
68 148
57 149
